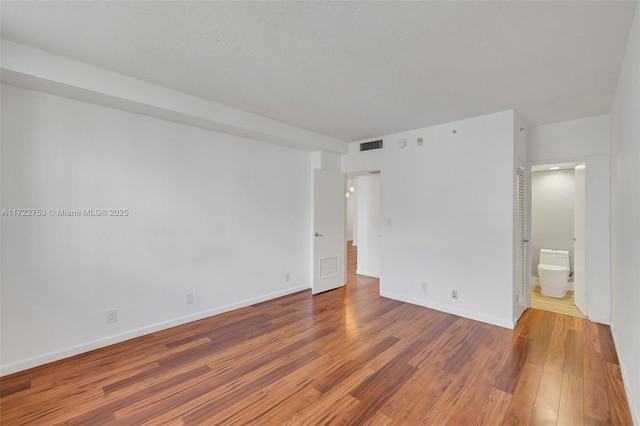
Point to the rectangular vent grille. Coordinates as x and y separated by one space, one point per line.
368 146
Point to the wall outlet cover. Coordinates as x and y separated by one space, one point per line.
112 316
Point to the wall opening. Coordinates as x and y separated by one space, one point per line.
363 223
558 223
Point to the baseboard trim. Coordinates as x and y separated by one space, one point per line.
39 360
600 320
367 273
625 380
510 324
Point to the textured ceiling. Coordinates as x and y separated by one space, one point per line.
351 70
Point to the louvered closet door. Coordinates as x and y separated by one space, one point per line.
521 242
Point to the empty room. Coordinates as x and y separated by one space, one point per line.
302 213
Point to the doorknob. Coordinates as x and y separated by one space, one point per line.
318 234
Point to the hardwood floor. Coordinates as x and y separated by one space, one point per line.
346 356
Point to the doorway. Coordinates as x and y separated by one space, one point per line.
363 225
558 222
351 234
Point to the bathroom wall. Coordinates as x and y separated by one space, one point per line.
552 213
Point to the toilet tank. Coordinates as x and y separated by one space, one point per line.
554 257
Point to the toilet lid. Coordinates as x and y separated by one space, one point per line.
552 267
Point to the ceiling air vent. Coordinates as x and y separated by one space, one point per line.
368 146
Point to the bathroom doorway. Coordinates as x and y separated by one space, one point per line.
558 222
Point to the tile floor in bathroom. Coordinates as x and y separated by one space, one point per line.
561 305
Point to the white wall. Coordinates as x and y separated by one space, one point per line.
625 238
586 140
368 225
586 137
552 213
450 203
216 215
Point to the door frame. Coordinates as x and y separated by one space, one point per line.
587 201
358 216
585 244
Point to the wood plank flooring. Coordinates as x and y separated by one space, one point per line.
347 356
560 305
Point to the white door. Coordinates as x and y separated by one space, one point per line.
329 248
580 242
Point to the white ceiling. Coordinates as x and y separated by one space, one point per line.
351 70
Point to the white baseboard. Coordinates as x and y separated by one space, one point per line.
367 273
121 337
625 380
448 309
600 320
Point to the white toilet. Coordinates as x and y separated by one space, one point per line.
553 272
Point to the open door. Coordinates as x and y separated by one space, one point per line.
329 248
580 242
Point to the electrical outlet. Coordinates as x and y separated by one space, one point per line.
287 276
189 298
112 316
454 294
424 286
